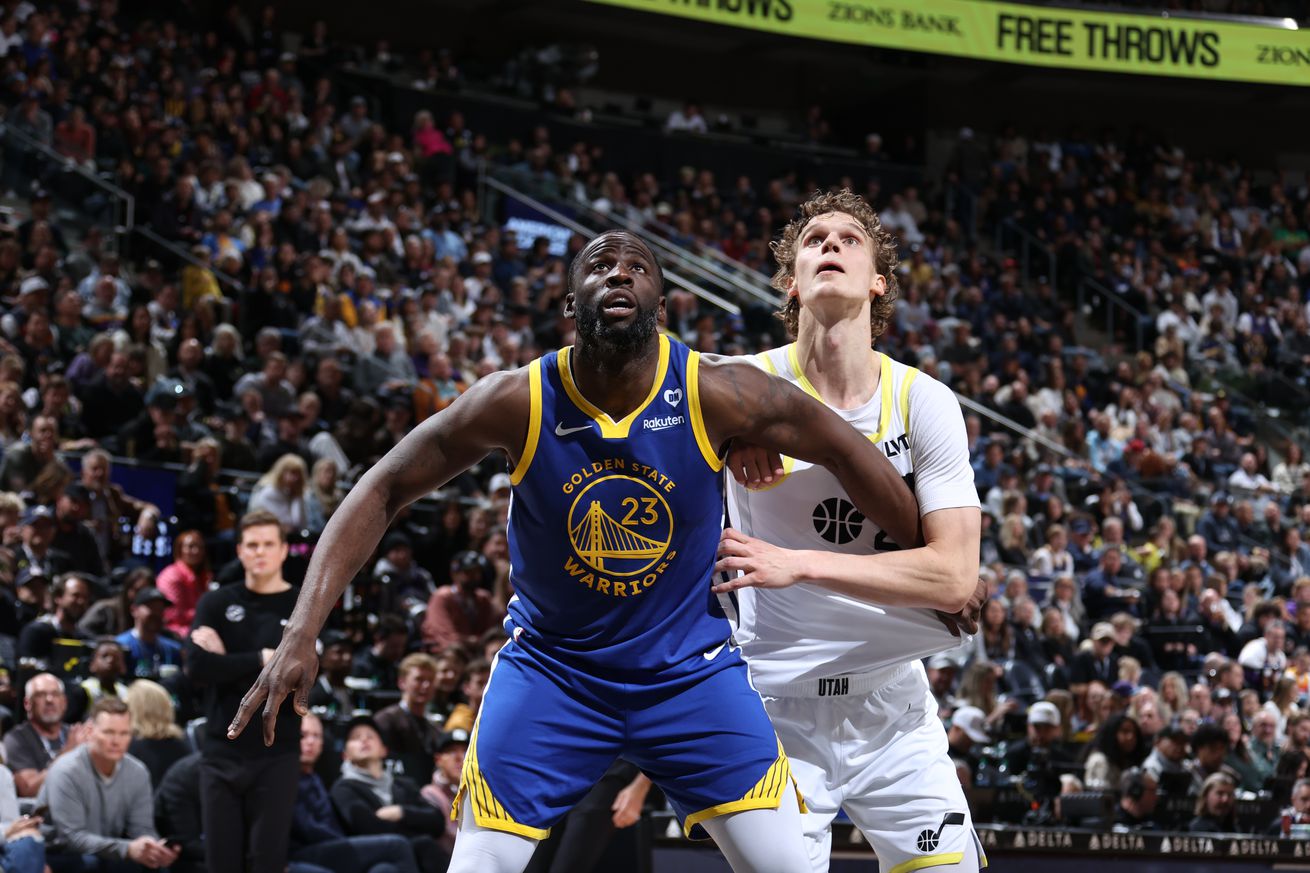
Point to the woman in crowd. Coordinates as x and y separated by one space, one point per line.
113 615
284 491
156 739
1173 695
1216 807
1282 703
995 640
324 489
1118 746
184 581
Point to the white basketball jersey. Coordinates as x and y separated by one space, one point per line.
806 632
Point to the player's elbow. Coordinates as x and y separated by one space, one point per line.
960 580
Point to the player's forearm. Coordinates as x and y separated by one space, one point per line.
875 487
930 577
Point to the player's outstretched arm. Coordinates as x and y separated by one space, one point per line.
491 415
739 400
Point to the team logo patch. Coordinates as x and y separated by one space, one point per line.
234 613
837 520
928 839
620 526
673 396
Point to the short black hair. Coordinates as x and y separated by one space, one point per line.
579 261
1209 734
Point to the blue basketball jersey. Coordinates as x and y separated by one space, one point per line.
614 525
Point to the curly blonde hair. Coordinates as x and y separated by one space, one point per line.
885 258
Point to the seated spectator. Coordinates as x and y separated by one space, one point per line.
387 369
370 800
1064 597
283 492
407 587
31 747
1100 662
1216 806
1042 745
1264 658
1138 795
1210 748
73 536
317 839
184 581
111 616
440 792
37 552
35 467
107 671
460 612
968 729
473 686
1117 748
71 595
404 726
157 741
1053 558
178 813
1169 755
100 801
150 653
111 505
379 662
22 849
1297 814
1107 589
330 698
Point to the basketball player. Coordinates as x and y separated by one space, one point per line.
836 656
617 645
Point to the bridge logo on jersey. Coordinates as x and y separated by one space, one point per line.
837 520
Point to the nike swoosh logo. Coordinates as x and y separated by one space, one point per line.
714 652
561 430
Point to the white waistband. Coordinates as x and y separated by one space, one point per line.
838 686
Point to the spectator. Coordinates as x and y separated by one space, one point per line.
111 506
1297 814
406 586
282 492
100 801
440 792
1168 758
35 467
36 553
1217 526
688 119
316 835
73 536
71 596
152 655
107 672
379 662
111 616
1100 662
183 582
157 741
460 612
370 800
1053 558
404 727
1118 747
178 813
330 696
387 369
1138 796
1215 811
968 729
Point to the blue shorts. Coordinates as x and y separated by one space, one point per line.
547 732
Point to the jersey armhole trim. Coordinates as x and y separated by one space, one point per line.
766 361
534 423
905 398
697 421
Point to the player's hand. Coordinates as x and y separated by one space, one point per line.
753 466
291 670
627 805
762 565
966 619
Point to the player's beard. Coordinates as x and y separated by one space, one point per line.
622 338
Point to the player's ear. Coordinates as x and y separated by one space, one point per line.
569 311
661 313
792 290
878 286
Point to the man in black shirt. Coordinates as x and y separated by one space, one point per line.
72 595
1138 796
73 535
243 781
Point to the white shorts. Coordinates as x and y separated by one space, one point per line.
881 756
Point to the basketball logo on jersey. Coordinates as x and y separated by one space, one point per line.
620 527
837 520
928 839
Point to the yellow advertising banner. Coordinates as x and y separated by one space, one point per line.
1018 34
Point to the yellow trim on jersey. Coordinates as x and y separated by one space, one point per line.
885 412
767 794
767 362
928 861
693 408
905 398
534 423
609 428
487 811
795 362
